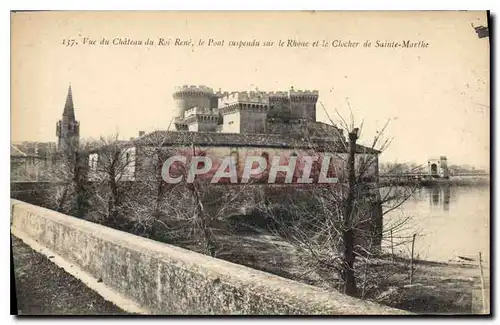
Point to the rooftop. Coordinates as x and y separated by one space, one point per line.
175 138
18 153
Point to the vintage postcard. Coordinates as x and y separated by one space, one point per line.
243 163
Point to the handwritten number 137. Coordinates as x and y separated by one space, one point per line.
69 42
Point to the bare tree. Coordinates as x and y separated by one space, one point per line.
211 203
110 174
341 222
189 211
148 206
65 174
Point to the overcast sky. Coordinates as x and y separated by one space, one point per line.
436 97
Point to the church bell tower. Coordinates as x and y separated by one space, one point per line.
68 128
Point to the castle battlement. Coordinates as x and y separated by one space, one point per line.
311 93
282 94
261 97
198 111
253 97
220 94
193 90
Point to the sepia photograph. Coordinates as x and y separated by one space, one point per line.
250 163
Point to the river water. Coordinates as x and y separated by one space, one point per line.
449 221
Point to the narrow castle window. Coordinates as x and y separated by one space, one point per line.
235 158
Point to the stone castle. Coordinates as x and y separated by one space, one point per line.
292 112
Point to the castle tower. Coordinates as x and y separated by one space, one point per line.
190 96
194 109
243 112
68 128
295 104
303 103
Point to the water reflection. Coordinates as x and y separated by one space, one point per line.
440 195
448 221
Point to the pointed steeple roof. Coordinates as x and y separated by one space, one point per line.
69 110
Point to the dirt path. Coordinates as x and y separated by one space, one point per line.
42 288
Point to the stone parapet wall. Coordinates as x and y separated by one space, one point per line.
165 279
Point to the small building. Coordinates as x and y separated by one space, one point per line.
24 166
438 167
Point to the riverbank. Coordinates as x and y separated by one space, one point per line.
472 181
457 181
437 288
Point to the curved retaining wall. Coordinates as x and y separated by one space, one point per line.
164 279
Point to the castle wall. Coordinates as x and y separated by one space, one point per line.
281 126
296 109
303 107
253 122
232 122
202 126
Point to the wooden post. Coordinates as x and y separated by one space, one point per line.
347 232
483 289
392 248
411 261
